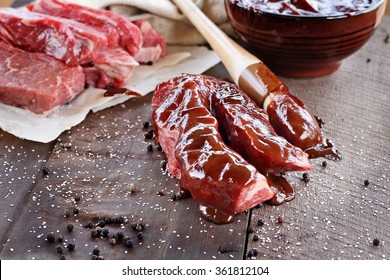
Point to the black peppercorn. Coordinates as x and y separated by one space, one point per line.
107 220
119 235
119 220
366 182
149 134
255 253
70 246
89 224
128 242
140 236
324 163
51 237
70 227
101 223
76 211
376 242
250 254
159 148
260 222
105 232
305 177
77 198
60 238
96 251
60 249
250 230
150 148
255 237
45 171
146 125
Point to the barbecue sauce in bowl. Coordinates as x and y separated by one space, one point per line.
304 38
308 7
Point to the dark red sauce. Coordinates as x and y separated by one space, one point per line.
284 192
325 149
215 216
307 7
123 91
290 119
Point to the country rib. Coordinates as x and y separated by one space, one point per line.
119 31
215 175
66 40
112 67
153 44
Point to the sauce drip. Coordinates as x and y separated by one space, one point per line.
215 216
284 192
325 149
124 91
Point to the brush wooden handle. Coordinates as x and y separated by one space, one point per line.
246 70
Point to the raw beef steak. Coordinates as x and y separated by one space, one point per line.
66 40
36 81
119 31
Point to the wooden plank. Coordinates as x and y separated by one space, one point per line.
21 164
98 161
335 216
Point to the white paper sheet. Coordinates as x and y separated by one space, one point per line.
27 125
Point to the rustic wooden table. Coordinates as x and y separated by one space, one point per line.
101 170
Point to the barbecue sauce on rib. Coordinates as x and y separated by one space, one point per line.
290 119
325 149
123 91
287 114
197 152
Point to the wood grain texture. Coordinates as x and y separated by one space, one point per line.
21 163
98 161
335 216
